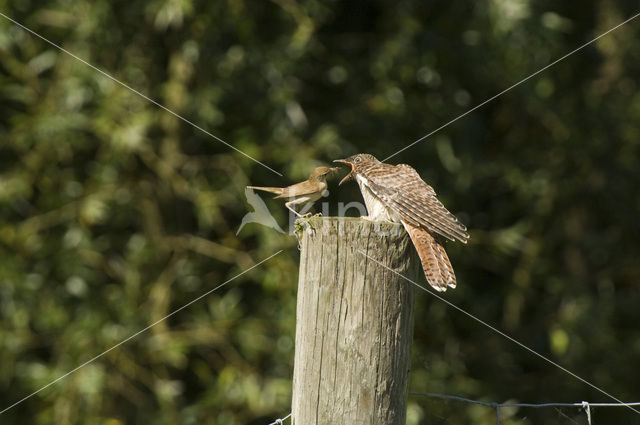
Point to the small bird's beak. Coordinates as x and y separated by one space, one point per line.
348 176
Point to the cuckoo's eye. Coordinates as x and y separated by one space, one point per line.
357 159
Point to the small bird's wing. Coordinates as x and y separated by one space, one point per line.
403 190
299 189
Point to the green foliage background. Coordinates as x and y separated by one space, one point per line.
113 212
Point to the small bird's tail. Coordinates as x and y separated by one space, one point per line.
276 190
435 262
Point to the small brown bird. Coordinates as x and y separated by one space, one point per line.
304 192
396 193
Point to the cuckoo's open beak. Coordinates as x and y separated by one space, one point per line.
348 176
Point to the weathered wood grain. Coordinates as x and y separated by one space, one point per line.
354 323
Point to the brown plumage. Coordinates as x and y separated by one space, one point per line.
304 192
397 193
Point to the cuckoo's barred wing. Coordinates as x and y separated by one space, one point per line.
403 190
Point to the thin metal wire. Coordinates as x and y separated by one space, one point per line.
501 333
280 421
492 404
112 78
585 405
138 333
587 409
513 86
454 397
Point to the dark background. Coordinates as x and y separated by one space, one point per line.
113 213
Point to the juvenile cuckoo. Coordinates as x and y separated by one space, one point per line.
304 192
396 193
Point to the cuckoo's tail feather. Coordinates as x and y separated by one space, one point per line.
446 269
435 262
276 190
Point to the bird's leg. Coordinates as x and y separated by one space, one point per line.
289 205
306 209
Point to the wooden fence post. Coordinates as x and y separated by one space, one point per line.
354 324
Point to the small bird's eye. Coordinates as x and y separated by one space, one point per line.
358 159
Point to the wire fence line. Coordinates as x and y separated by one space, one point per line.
584 405
492 404
281 420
